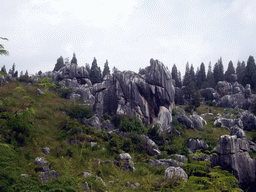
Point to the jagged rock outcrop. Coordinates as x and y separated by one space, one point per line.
67 72
191 122
148 95
125 161
227 122
197 120
249 120
209 94
232 155
46 174
166 162
194 144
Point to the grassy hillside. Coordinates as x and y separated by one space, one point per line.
31 122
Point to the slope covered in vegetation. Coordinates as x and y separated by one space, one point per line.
30 122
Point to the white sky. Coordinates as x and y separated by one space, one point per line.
126 32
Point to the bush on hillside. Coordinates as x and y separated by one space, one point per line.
132 124
79 112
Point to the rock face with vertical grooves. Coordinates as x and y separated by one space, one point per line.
148 95
232 155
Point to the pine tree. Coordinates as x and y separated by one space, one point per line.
176 76
229 72
192 73
201 77
186 78
106 70
218 71
95 72
250 71
74 60
210 77
59 64
240 71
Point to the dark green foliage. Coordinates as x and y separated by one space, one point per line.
240 71
25 79
106 70
176 76
59 64
95 73
17 131
132 124
77 111
201 77
117 143
229 72
65 93
153 133
218 71
250 73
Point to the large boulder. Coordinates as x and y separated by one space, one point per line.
227 123
195 144
197 120
183 119
208 94
249 120
175 173
232 155
126 163
166 162
224 88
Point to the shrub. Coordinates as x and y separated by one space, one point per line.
79 112
132 124
65 93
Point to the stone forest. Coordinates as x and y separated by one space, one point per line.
79 129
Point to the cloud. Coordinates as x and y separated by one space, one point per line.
127 33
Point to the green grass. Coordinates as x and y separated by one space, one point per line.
50 126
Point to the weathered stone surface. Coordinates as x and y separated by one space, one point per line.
233 156
46 150
92 122
238 132
194 144
208 94
125 162
2 79
166 162
181 157
175 173
224 88
149 145
46 174
197 120
207 115
148 95
227 123
67 72
43 163
249 120
183 119
39 92
107 125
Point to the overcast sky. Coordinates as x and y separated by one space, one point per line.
126 32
